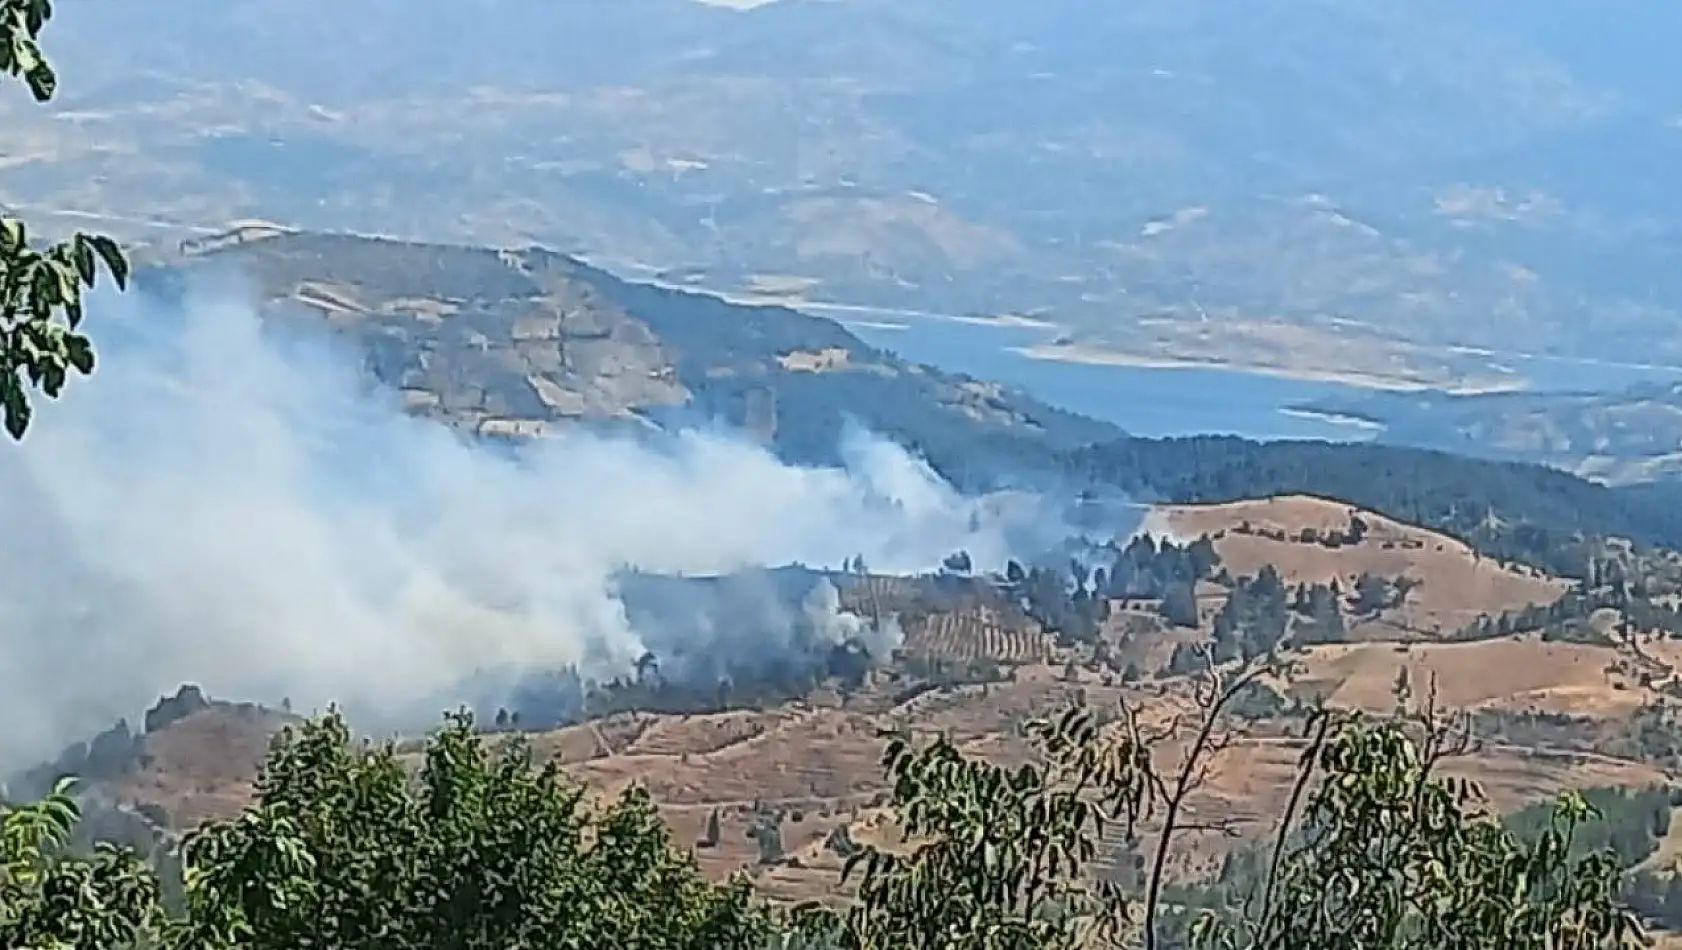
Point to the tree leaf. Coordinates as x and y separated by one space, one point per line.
14 404
112 254
79 352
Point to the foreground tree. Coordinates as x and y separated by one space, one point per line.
41 289
1001 854
481 849
50 900
472 845
343 847
1377 850
1391 855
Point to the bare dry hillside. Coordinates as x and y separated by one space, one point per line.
1514 674
515 344
1456 585
815 769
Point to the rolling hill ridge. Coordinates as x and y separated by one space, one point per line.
510 343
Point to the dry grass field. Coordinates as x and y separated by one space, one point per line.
1515 674
1456 584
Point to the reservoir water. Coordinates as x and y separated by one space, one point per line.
1155 402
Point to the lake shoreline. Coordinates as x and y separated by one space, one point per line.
1088 355
1335 418
1156 396
1145 401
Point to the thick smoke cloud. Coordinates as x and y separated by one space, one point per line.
219 506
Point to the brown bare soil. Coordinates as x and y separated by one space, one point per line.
201 767
1517 674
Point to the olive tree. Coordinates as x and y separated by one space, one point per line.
41 288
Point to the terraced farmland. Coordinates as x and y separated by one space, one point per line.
877 595
980 633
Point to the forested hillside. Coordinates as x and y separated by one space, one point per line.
1508 510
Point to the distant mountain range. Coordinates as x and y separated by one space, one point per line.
1339 186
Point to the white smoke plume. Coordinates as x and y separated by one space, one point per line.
879 636
218 507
